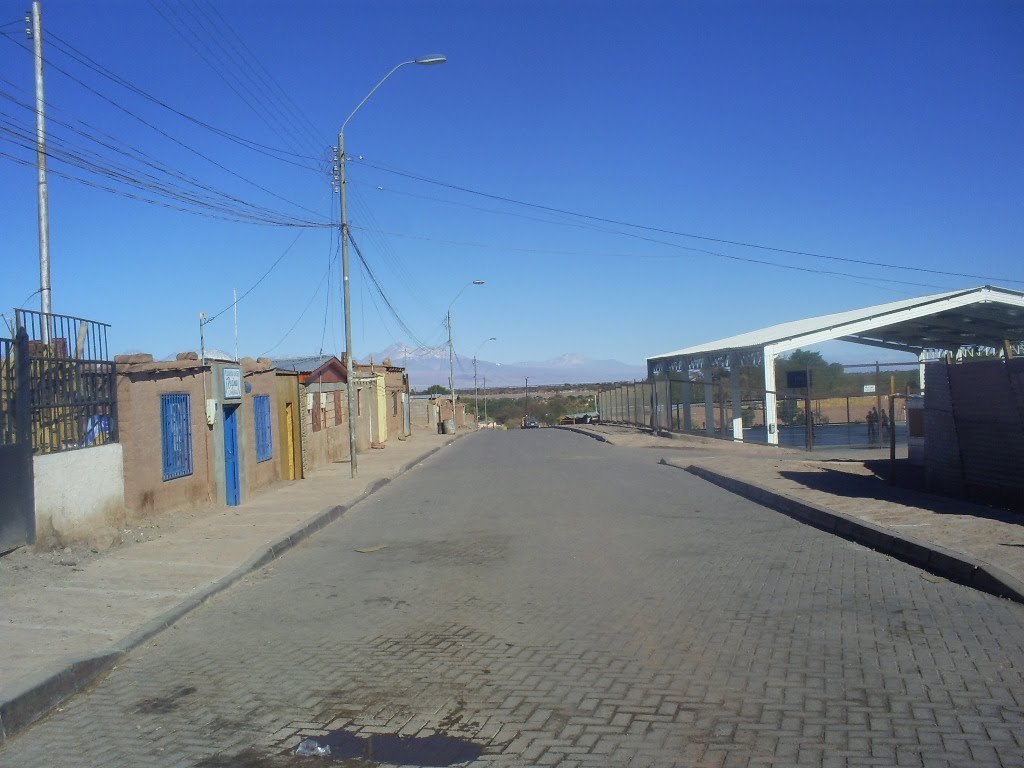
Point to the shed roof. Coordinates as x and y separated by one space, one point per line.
302 364
945 321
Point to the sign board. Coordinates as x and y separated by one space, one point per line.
869 389
232 383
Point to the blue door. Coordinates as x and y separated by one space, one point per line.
231 455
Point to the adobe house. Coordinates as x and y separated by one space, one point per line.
196 433
324 409
392 395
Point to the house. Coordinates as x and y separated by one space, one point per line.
215 427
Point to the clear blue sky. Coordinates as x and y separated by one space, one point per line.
888 132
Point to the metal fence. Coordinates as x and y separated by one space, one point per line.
675 404
72 382
8 388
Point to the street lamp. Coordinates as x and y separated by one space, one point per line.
451 353
476 399
350 364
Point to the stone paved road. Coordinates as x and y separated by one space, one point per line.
559 601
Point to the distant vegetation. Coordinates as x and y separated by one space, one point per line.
547 409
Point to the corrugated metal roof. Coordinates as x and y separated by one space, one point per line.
301 364
838 321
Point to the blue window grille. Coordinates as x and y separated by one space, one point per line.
261 411
176 434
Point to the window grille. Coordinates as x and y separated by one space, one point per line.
176 435
261 418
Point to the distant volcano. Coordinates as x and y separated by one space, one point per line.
430 366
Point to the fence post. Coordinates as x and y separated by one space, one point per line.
22 390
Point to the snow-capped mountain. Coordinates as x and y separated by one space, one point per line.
430 366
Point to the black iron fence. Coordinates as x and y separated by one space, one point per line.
72 381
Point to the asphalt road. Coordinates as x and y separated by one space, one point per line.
539 598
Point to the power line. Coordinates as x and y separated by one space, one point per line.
61 149
169 136
380 289
663 231
256 284
275 153
325 280
220 69
266 77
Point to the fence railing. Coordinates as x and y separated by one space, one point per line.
72 381
677 405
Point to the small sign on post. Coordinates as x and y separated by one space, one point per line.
869 389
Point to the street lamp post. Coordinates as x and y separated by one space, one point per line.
451 352
486 420
476 398
349 361
526 405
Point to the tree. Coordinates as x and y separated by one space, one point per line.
435 389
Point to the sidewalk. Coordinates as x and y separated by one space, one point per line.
69 616
969 543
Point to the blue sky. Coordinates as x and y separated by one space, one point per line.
880 132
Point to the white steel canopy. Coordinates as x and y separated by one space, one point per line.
927 326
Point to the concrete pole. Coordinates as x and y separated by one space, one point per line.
771 407
346 289
476 394
737 395
709 397
687 398
451 369
44 205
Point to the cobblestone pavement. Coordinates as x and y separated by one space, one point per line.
559 601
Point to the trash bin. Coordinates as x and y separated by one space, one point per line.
449 426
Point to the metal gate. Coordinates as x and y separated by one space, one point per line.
17 501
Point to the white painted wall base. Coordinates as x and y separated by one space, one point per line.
79 496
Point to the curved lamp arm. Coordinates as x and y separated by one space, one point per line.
471 282
432 59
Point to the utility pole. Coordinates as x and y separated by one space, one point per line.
350 369
36 33
476 393
486 420
526 407
451 371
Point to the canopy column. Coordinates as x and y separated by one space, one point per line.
737 397
687 398
771 415
709 396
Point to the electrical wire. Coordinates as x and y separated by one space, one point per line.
664 231
165 134
219 68
325 280
256 284
380 289
275 153
84 158
264 75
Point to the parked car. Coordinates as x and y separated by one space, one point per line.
530 422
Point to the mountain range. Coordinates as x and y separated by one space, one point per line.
430 366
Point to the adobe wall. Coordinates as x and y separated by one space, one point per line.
139 388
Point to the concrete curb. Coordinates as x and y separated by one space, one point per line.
955 566
41 696
588 433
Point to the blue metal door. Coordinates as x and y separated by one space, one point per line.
231 455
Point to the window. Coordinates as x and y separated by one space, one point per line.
176 435
261 418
